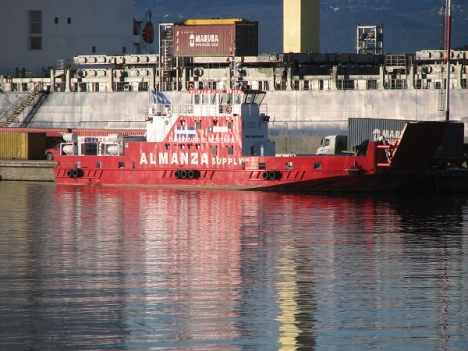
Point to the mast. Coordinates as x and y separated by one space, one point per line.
447 36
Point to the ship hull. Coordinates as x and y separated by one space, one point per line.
240 180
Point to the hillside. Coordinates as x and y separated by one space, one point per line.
409 26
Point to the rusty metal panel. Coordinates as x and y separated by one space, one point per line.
240 39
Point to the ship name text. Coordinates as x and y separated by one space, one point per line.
186 158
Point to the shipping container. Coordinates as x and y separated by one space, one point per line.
216 38
363 130
23 146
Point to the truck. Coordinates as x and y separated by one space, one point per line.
333 145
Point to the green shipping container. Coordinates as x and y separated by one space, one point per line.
23 146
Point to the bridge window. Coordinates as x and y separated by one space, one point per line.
214 150
197 99
229 150
198 125
254 98
229 125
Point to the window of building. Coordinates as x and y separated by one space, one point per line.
229 150
198 125
35 43
56 20
214 150
69 20
229 125
35 30
35 22
93 49
124 50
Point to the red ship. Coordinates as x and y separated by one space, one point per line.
221 140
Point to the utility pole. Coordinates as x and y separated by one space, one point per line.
447 38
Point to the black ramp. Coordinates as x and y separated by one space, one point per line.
418 146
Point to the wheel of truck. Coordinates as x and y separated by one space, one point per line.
49 156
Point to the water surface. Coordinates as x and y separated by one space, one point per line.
130 268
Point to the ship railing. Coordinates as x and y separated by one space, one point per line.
422 83
345 84
395 84
170 109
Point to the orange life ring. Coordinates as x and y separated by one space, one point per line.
228 109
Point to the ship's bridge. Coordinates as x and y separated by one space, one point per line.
215 102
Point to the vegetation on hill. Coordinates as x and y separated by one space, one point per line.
409 26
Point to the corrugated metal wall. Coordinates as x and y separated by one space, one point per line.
23 146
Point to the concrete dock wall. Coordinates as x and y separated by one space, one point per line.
298 119
25 170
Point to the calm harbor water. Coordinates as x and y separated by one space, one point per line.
123 268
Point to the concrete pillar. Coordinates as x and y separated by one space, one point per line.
411 77
459 70
381 81
289 81
184 79
52 80
111 80
334 77
67 80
